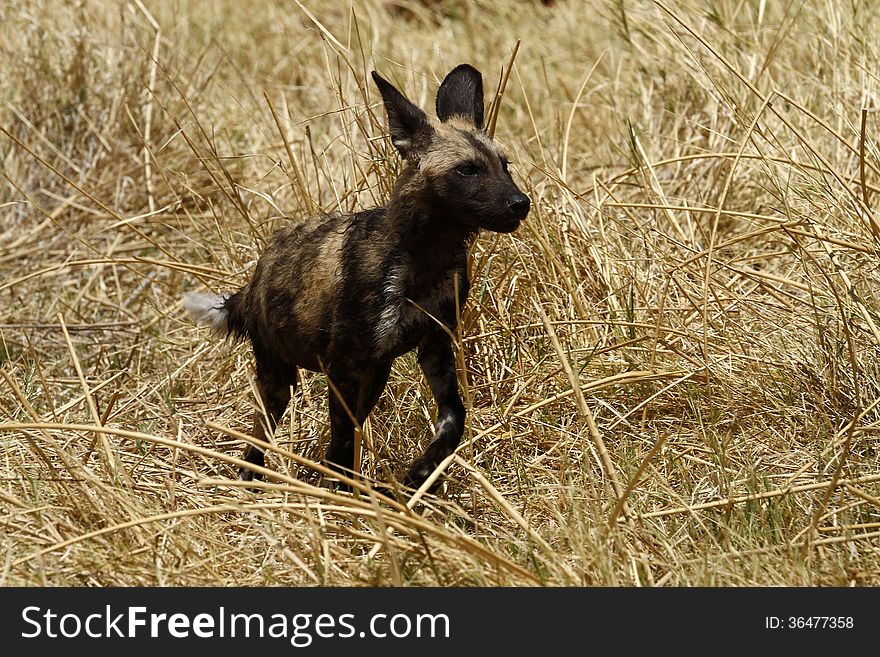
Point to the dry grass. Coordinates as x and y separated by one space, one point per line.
670 369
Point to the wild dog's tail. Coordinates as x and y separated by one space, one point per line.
220 313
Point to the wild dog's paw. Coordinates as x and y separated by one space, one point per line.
334 485
419 472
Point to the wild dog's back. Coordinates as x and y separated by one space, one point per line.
316 281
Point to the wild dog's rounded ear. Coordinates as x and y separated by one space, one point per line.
407 124
461 94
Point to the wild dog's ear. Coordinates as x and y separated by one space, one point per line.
461 94
408 125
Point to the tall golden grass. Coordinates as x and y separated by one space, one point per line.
670 369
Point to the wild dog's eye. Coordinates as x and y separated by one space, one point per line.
467 169
505 165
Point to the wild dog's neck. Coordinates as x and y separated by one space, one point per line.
431 242
430 245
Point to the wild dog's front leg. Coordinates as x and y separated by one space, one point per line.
438 364
340 452
360 395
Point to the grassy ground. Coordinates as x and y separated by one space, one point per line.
670 369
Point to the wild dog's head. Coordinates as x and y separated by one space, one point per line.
452 164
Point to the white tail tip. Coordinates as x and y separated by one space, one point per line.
207 309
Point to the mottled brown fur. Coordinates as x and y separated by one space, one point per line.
347 294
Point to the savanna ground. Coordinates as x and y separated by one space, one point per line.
669 369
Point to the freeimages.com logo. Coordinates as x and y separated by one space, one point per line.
299 629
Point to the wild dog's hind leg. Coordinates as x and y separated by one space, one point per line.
274 383
438 364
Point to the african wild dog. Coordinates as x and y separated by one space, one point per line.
349 293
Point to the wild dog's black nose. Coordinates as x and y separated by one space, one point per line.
518 204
